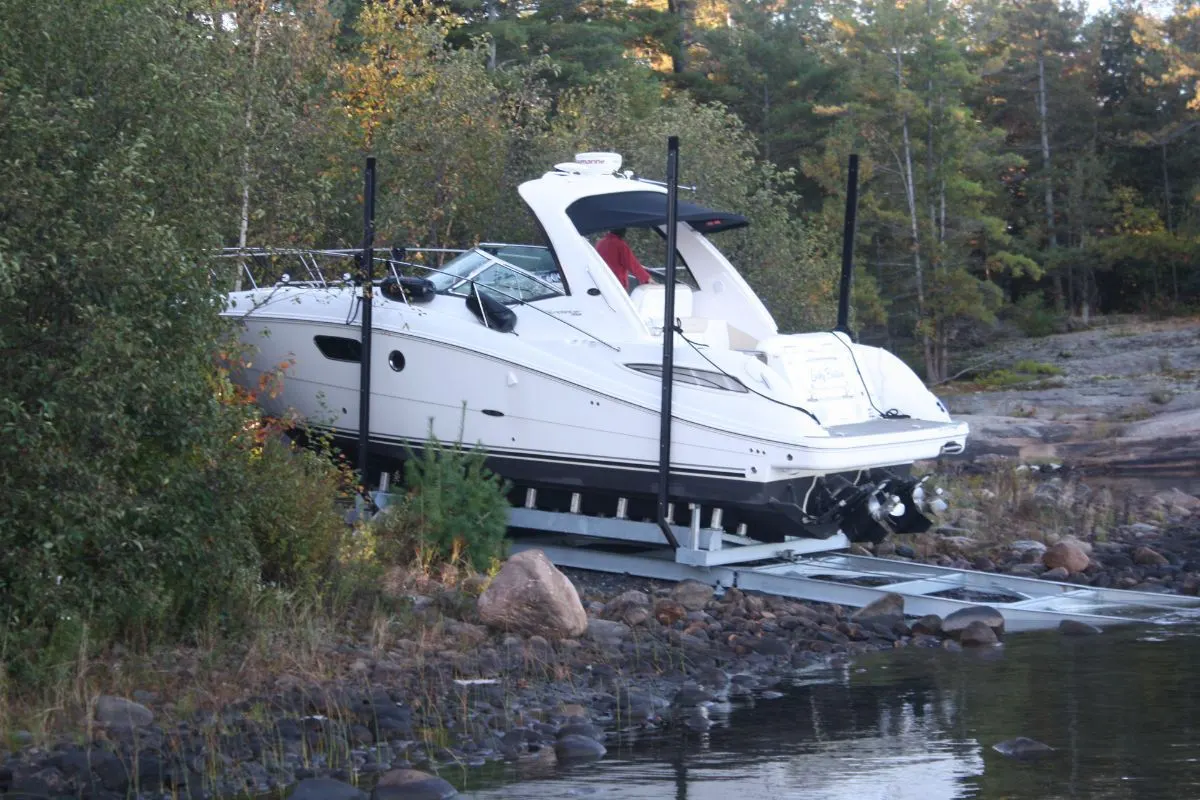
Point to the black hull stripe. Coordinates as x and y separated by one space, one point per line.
533 455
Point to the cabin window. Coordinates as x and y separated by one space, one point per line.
338 348
695 377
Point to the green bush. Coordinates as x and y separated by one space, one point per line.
1034 318
296 526
455 511
1030 367
138 500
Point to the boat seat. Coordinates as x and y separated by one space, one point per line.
649 300
701 330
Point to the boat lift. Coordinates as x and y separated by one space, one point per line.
812 569
798 567
806 568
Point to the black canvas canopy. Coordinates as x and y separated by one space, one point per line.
604 212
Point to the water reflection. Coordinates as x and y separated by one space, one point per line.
1120 709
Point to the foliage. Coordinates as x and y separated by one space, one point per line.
455 511
1034 318
297 530
1025 372
130 478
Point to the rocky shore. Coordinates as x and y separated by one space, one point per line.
538 667
541 674
1052 522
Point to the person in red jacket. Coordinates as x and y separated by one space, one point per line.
620 258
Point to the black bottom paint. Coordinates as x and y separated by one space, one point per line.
770 511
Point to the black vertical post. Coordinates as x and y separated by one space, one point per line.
366 281
668 359
843 314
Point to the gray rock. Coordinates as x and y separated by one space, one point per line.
574 747
119 712
1068 554
891 604
929 625
529 595
1025 545
632 607
326 789
607 632
692 595
581 728
1022 747
1071 627
691 694
977 634
1056 574
1149 558
412 784
956 623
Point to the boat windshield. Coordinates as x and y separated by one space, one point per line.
492 270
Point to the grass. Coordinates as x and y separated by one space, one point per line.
1004 505
1024 374
316 643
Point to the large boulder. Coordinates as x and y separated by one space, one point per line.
576 747
120 712
412 784
692 595
631 607
1068 554
1022 747
326 789
977 634
954 624
890 605
530 596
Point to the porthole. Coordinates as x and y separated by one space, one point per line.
337 348
396 360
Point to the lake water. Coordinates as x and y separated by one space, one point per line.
1122 710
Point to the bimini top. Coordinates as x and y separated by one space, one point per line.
644 209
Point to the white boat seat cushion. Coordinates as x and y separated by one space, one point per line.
649 300
712 332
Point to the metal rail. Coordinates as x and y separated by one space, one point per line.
806 569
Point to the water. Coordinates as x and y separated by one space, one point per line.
1121 709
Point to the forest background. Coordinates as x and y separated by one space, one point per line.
1022 161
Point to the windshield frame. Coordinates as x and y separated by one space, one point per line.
448 282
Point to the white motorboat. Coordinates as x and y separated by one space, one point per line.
539 355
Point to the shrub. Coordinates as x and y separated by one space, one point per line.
1034 318
293 518
1031 367
455 511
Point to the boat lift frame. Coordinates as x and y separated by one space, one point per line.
812 569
